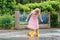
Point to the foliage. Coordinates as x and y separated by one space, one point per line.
54 0
7 6
48 5
33 1
22 7
6 21
54 19
27 1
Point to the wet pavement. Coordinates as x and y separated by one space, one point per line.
45 34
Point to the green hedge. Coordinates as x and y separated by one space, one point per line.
7 6
54 19
48 5
32 1
6 21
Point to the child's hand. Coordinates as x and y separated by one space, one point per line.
41 20
26 19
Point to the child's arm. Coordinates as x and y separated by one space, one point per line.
28 16
41 18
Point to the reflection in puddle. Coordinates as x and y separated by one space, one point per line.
32 38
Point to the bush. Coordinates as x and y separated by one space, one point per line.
54 19
7 6
48 5
6 21
55 5
22 7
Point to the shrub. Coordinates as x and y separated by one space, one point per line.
7 6
54 19
48 5
22 7
55 5
6 21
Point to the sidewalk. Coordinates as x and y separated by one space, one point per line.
45 34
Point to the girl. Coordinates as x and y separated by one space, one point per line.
33 22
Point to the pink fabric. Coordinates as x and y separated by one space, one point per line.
33 22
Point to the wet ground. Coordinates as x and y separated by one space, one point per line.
45 34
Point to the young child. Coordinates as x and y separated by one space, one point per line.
33 22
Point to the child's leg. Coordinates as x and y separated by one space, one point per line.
37 33
31 33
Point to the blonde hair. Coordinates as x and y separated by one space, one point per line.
37 10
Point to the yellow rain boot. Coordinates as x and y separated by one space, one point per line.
37 33
31 33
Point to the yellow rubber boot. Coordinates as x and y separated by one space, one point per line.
37 33
31 33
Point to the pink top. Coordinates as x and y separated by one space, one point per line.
33 22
